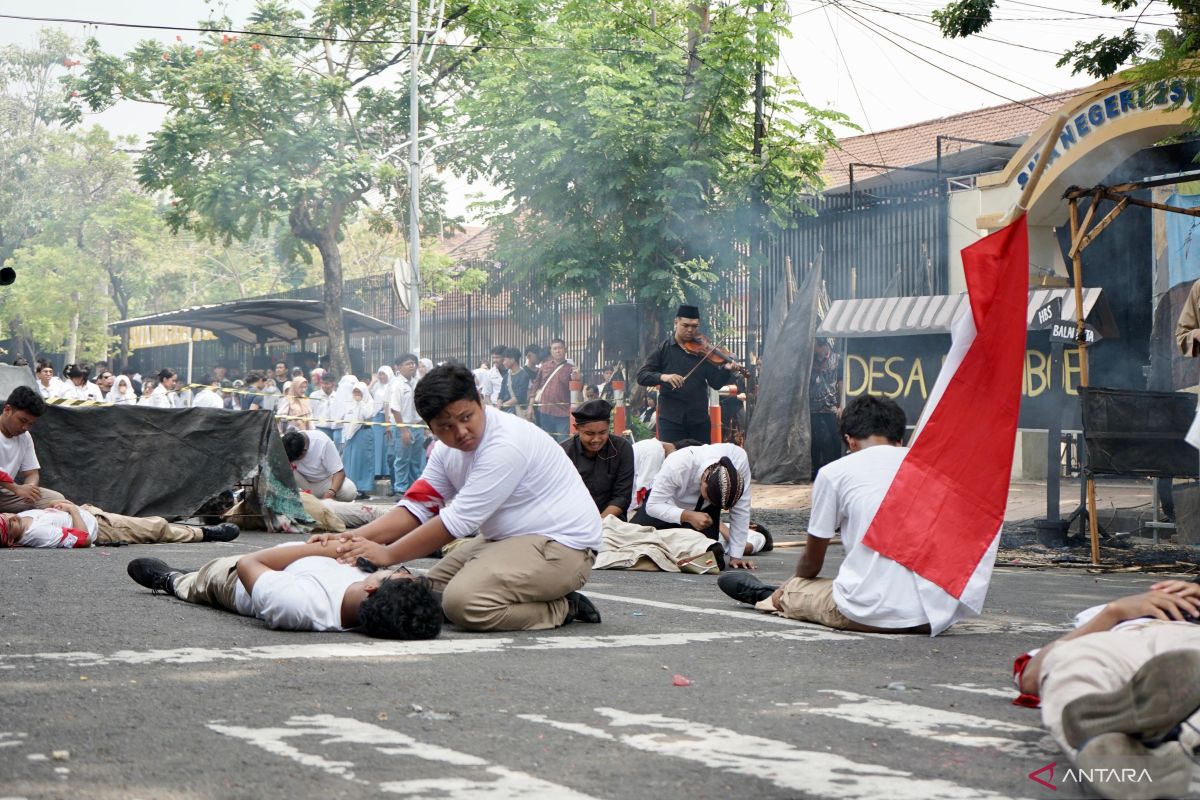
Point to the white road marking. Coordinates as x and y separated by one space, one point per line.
948 727
811 773
974 688
12 739
491 782
363 649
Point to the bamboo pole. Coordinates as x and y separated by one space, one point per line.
1077 268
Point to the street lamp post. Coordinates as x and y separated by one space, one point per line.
414 190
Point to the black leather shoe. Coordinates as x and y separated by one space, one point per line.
225 532
154 574
744 587
580 609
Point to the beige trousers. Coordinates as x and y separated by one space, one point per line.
213 584
345 494
517 584
140 530
811 600
1101 662
11 504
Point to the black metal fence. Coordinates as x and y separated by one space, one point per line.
876 243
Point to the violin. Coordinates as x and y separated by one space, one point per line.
701 346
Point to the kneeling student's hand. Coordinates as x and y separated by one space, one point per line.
741 563
350 550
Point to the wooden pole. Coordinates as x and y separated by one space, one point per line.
1077 268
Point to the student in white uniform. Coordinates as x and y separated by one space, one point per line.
302 587
317 466
648 457
78 385
871 592
501 476
66 525
20 472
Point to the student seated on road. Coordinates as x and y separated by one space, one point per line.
502 476
317 466
648 457
604 461
1121 693
303 587
67 525
17 456
693 487
871 592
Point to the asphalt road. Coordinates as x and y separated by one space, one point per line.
109 692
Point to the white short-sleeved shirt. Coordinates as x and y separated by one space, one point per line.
648 456
517 482
321 459
17 455
53 528
207 398
871 588
676 489
306 595
402 401
89 391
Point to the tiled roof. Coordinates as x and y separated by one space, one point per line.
475 244
917 143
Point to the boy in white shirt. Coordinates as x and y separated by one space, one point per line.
66 525
317 466
501 476
871 592
17 457
302 587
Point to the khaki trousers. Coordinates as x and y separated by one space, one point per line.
213 584
140 530
11 504
1101 662
517 584
346 494
811 600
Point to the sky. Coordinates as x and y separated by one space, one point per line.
882 62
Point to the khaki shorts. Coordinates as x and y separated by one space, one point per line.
811 600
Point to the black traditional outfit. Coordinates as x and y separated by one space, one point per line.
608 475
682 412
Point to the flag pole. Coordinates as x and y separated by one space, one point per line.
1022 204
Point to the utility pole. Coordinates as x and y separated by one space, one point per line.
414 189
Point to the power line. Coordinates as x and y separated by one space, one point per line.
1084 14
854 85
924 18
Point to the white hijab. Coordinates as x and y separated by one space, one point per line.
382 392
118 397
342 398
357 410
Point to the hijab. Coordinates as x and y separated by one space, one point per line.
382 392
357 410
342 398
119 396
298 404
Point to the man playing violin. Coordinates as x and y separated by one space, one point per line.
683 373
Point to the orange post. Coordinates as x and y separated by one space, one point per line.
619 421
714 417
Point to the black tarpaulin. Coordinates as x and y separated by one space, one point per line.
145 461
779 440
1138 433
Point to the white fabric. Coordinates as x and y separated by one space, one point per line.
402 400
648 457
88 391
870 588
52 390
676 489
321 459
381 392
343 397
497 384
161 398
357 411
207 398
54 528
625 544
306 595
483 383
321 410
17 454
121 393
518 481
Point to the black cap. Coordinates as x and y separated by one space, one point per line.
592 411
688 312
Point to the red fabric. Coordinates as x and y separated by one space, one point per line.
81 537
946 503
1023 699
423 494
5 477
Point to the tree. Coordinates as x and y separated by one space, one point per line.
289 124
1104 55
624 140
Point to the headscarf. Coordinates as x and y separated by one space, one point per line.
118 397
382 392
298 404
723 484
357 410
425 365
342 398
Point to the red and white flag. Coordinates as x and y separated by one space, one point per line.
941 516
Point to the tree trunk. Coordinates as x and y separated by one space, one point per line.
331 262
73 341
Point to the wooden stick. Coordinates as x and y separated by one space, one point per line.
1087 220
1077 267
1043 161
1091 235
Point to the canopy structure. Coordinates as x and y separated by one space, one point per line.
261 322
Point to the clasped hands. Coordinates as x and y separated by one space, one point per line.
349 548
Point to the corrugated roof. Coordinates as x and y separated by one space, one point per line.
910 316
917 143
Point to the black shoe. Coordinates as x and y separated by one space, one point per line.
770 543
580 609
154 574
744 587
225 532
718 551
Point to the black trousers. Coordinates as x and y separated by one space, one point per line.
701 431
826 445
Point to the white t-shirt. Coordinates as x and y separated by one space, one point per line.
518 481
321 459
676 489
89 391
648 456
402 400
54 528
207 398
17 455
321 408
485 386
53 390
871 588
306 595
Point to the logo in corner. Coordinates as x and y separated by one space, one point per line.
1049 768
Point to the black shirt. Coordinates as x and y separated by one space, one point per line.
609 475
689 403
